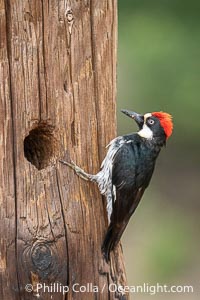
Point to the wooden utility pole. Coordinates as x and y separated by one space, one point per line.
57 99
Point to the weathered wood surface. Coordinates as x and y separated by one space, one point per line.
58 79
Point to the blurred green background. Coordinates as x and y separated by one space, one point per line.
159 69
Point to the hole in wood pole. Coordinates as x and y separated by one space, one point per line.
41 146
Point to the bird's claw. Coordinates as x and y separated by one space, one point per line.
77 169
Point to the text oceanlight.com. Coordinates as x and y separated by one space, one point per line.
113 288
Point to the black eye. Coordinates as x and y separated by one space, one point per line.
151 121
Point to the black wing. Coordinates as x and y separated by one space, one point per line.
128 188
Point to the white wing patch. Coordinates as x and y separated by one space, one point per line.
104 177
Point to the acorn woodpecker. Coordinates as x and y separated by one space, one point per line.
127 170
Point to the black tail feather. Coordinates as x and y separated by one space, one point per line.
111 239
107 243
123 209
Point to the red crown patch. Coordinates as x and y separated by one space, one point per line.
165 121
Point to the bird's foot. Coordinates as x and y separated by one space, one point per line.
80 172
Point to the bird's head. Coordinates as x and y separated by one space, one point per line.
152 125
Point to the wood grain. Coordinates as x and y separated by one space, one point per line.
58 68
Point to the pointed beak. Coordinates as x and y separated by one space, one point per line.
139 119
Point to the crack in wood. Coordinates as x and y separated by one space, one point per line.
9 54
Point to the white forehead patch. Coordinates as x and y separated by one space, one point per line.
146 116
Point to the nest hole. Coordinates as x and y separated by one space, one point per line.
41 146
